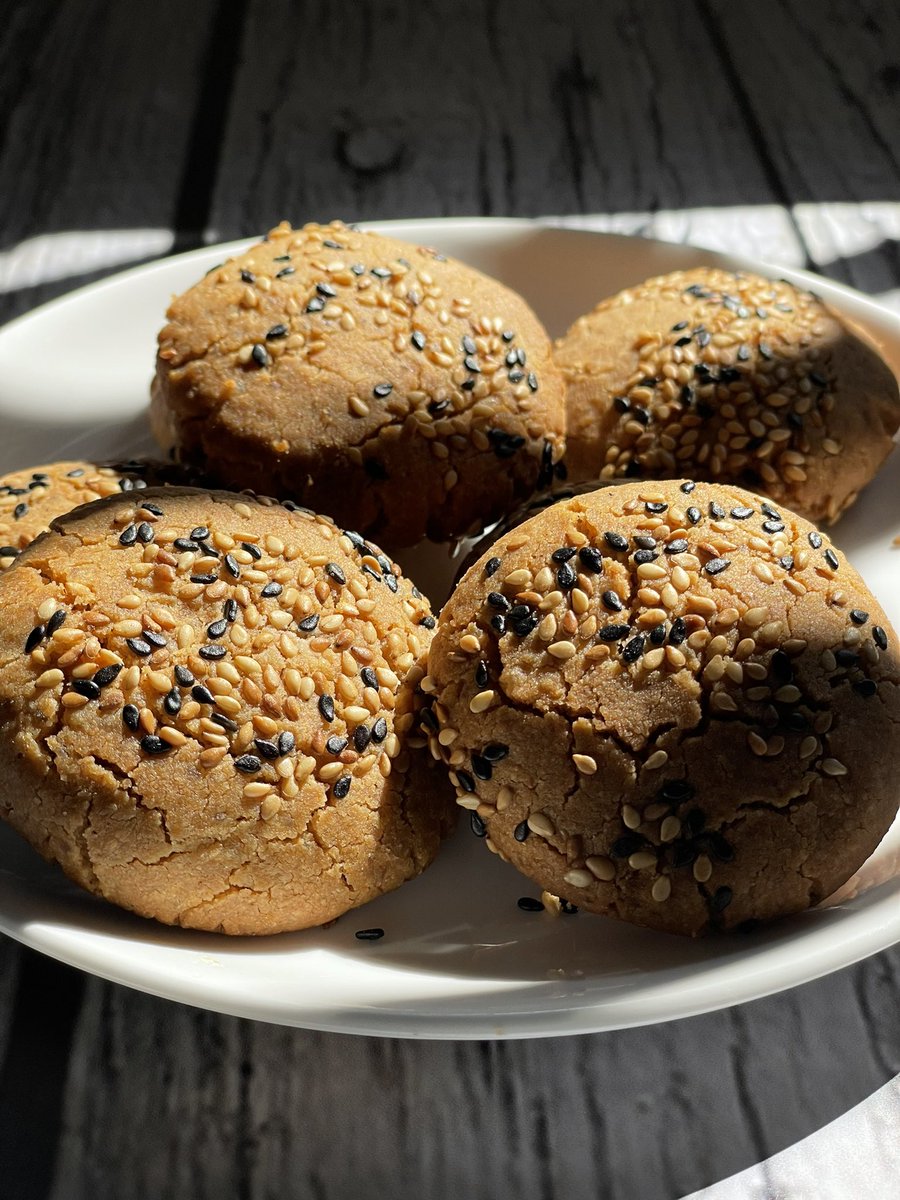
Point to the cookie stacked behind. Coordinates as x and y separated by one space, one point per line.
402 392
731 378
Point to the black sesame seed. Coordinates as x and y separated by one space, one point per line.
231 566
491 566
326 707
645 556
846 658
655 507
277 331
626 845
75 474
781 667
858 617
336 744
481 674
128 536
612 601
563 554
721 898
308 624
678 546
9 552
688 486
740 512
392 584
19 511
151 744
693 822
341 787
139 646
615 541
271 589
379 730
787 561
131 716
155 639
481 768
682 854
477 826
172 702
254 551
526 624
202 694
720 849
283 272
621 404
182 544
658 634
224 722
249 764
203 579
86 687
521 831
566 577
494 752
260 355
773 526
267 748
716 566
880 637
817 379
107 675
832 559
369 678
382 389
769 511
641 415
333 571
286 742
211 653
613 633
418 339
591 559
428 622
35 638
529 904
678 632
230 610
361 738
866 688
815 539
676 791
499 601
716 511
466 782
694 515
217 628
633 649
369 935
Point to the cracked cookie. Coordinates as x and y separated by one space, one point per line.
672 703
731 378
400 391
205 706
31 498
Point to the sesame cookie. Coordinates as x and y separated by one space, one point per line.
671 703
400 391
204 703
31 498
731 378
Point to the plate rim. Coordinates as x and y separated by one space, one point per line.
878 934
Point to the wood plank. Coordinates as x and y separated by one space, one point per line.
235 1108
372 110
97 102
821 82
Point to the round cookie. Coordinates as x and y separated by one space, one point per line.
400 391
671 703
30 499
204 707
730 378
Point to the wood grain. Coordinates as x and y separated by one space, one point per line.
214 119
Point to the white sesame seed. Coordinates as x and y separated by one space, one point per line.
832 766
601 867
578 877
584 763
662 889
562 650
482 701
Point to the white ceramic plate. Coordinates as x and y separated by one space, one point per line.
458 959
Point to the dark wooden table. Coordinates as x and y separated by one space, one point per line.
140 126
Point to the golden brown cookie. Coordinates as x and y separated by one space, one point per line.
31 498
204 707
400 391
731 378
671 703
